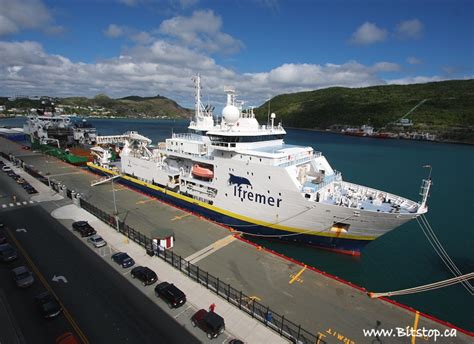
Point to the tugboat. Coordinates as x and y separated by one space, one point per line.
243 175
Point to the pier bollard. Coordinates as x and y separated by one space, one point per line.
77 200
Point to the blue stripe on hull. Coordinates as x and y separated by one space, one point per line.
344 245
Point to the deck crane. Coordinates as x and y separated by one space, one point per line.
403 121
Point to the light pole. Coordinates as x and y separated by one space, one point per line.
115 206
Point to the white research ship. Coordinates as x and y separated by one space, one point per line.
242 175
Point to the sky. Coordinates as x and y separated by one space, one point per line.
262 48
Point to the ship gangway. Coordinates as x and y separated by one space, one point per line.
121 139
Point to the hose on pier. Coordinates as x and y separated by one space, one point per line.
426 287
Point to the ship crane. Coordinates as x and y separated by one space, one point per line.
404 121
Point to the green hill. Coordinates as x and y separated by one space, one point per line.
449 110
102 105
132 106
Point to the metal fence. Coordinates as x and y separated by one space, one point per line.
261 312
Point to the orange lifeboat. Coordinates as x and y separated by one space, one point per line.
202 172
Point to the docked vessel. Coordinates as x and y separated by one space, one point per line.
60 135
243 175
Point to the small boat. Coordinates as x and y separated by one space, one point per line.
202 172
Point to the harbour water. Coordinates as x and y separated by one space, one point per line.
402 258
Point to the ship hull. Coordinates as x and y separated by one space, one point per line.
333 243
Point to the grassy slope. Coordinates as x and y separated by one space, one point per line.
451 104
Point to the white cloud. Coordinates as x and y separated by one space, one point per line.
368 33
410 29
129 2
201 30
415 80
114 31
413 60
386 67
166 68
16 16
187 3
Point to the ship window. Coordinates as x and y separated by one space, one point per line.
226 195
269 177
260 159
307 196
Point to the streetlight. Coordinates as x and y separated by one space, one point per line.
115 205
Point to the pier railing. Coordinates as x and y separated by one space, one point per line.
277 322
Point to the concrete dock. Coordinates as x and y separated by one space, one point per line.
337 312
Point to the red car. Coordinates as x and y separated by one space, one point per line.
210 322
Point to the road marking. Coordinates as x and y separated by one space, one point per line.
320 337
48 287
250 299
287 294
145 201
180 217
415 326
21 230
197 256
59 278
296 277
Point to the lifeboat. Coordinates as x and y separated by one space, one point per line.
202 172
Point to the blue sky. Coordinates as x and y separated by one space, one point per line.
261 47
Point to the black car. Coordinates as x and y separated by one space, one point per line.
210 322
48 305
172 295
144 274
84 228
30 190
3 238
7 253
123 259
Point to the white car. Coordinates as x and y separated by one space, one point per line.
6 169
97 241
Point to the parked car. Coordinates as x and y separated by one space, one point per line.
236 341
3 238
171 294
84 228
15 176
6 168
123 259
144 274
21 181
97 241
48 305
210 322
7 253
67 338
30 190
22 277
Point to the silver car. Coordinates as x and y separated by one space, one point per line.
97 241
22 277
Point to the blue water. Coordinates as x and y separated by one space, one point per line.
402 258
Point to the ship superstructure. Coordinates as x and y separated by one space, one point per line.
61 136
46 127
243 175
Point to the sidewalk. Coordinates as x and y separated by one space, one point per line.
238 323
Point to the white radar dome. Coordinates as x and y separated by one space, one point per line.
231 114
